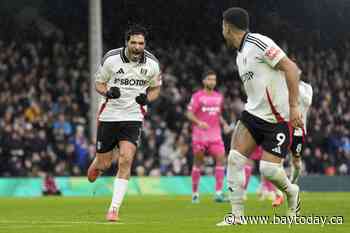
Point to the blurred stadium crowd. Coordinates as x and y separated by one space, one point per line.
44 105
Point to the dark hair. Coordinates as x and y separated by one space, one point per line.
238 17
135 30
208 72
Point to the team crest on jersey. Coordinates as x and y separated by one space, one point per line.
272 53
143 71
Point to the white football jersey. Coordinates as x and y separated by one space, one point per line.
265 86
132 78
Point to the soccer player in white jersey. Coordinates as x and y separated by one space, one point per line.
128 79
271 82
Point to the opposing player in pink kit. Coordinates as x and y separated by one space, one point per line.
204 111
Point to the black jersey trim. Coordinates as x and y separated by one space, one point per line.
257 40
151 56
256 44
243 41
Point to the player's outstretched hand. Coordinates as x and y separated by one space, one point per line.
296 118
113 93
142 99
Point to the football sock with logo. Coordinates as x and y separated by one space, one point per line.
295 172
119 190
235 180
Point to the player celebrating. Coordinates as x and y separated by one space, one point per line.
270 81
204 111
128 79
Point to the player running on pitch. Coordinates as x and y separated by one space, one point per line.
128 79
204 111
271 82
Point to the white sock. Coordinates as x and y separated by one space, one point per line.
119 189
235 180
218 192
295 172
275 173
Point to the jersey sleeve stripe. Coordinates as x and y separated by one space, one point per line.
259 46
154 59
151 56
110 53
257 40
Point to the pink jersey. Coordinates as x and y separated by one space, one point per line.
206 107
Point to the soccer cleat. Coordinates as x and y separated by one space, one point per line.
278 201
93 173
112 215
195 198
220 197
223 224
293 201
230 220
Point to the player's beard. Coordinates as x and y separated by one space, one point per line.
209 88
230 45
135 55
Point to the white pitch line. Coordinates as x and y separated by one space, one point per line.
31 226
59 222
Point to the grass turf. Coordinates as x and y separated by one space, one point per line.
158 214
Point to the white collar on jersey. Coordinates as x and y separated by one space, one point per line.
125 59
243 42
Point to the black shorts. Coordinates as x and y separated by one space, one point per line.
273 137
297 142
109 134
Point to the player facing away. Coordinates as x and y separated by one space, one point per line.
270 81
204 111
128 79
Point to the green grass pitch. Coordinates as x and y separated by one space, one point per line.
158 214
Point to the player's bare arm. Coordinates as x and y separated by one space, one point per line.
292 72
111 93
153 93
195 120
101 88
225 126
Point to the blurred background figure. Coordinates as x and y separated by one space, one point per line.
50 187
